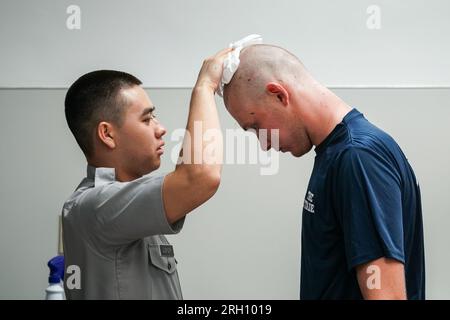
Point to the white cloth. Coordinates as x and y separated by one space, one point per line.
231 63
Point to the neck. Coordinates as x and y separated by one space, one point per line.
323 112
121 173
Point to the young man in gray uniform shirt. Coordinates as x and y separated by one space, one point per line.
114 223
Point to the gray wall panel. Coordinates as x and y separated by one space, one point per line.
245 242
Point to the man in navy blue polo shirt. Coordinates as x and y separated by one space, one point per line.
362 231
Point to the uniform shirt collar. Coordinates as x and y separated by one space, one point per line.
101 176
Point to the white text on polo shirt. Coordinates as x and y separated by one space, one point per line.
308 205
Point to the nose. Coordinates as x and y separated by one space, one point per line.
160 130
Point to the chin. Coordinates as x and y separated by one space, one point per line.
154 166
298 153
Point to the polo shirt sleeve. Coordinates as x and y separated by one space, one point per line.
122 212
368 202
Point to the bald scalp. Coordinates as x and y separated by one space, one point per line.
261 64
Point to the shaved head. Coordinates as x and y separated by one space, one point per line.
272 90
261 64
266 92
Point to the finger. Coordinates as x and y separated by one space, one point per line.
220 57
223 52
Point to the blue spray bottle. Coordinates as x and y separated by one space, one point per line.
55 290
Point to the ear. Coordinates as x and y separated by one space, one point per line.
106 134
277 90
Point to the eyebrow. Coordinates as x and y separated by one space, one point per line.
148 110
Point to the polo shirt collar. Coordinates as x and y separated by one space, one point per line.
101 176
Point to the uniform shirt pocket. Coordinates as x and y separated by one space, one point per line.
161 256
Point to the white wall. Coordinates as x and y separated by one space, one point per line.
245 242
164 42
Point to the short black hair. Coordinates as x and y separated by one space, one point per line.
93 98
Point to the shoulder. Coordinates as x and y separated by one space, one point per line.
355 152
368 163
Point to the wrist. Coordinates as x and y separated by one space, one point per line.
205 85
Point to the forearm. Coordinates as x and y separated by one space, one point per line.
203 146
197 175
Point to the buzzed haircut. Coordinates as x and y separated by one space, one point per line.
261 63
95 97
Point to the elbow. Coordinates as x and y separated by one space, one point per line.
205 182
212 183
215 181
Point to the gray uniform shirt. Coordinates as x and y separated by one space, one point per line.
113 235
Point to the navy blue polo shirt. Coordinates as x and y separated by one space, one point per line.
362 203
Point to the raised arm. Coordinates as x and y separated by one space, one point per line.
197 176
